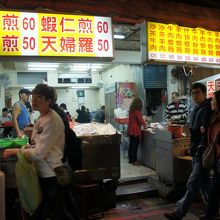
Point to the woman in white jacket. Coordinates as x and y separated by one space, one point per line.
46 151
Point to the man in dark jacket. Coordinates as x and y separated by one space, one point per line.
199 178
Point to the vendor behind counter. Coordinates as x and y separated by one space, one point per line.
176 111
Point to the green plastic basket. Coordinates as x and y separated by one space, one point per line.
13 142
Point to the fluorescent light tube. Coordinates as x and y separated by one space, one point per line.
55 65
119 36
42 68
79 87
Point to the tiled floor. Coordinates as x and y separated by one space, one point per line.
129 170
150 208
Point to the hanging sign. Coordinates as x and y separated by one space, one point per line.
40 34
210 88
169 42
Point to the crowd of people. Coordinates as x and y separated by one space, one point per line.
46 150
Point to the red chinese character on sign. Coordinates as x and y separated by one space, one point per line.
153 26
66 22
170 42
202 39
153 47
217 52
10 43
68 44
187 37
210 40
178 29
179 50
195 44
179 36
217 40
162 34
179 43
152 40
210 88
211 53
161 27
195 38
170 35
203 52
187 50
49 24
85 25
10 22
162 41
195 51
49 41
152 33
210 46
170 49
85 45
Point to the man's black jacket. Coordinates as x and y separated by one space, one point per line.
201 116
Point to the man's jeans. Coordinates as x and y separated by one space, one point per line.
199 179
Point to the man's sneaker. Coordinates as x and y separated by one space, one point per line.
172 215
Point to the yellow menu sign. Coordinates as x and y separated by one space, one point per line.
171 42
41 34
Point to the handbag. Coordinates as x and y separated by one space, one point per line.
64 174
208 157
29 190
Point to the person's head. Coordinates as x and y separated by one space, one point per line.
198 91
216 101
103 108
43 98
4 112
63 106
83 108
136 104
24 95
175 97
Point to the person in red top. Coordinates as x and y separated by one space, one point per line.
134 128
213 133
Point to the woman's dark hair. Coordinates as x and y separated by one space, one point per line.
47 91
217 97
136 104
200 86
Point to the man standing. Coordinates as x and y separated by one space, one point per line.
199 178
20 116
5 117
100 115
176 111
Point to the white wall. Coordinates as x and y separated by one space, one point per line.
119 73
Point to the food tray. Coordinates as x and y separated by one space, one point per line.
13 142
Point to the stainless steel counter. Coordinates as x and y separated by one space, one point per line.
148 149
171 166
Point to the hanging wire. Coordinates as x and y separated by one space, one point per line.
187 74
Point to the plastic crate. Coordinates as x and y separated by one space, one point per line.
13 142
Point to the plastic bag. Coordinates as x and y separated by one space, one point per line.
28 184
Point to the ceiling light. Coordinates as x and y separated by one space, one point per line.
79 87
119 36
41 68
54 65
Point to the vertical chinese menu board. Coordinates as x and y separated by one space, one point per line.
39 34
171 42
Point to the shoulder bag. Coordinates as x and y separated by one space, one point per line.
208 157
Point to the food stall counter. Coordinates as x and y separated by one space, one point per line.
173 164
